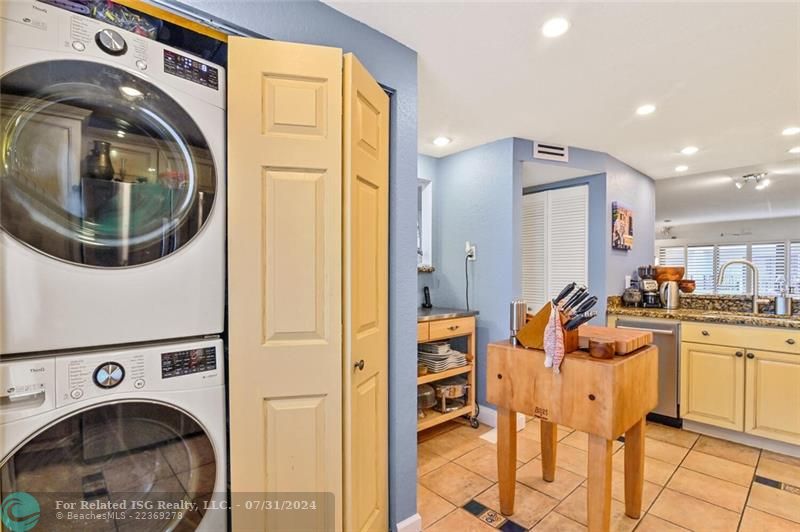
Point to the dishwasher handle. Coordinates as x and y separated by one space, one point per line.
654 331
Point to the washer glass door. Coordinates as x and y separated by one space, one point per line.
99 167
139 460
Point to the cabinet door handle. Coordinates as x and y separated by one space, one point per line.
739 354
359 365
790 341
750 355
706 333
453 327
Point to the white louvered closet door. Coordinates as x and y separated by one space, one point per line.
534 249
554 242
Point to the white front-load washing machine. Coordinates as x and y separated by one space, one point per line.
130 439
112 185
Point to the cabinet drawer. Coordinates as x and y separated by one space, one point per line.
422 332
784 340
450 328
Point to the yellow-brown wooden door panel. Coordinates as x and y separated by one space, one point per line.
284 273
773 395
366 220
712 385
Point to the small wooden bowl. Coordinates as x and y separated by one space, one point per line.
602 348
687 286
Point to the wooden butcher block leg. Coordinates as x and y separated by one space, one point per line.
549 437
634 469
506 458
598 497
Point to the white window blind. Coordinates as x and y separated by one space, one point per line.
794 268
770 259
700 267
554 242
778 263
674 256
735 281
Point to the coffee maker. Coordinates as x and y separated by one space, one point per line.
650 295
649 287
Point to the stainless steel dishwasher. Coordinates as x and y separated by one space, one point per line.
666 336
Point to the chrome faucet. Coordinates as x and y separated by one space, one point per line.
756 300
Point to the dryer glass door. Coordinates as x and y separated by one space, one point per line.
118 456
98 166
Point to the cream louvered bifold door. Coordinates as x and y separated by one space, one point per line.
554 237
284 277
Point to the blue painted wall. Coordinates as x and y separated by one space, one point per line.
638 192
473 199
394 66
477 195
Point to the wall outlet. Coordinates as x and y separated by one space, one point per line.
469 249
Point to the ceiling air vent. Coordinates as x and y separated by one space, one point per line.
550 152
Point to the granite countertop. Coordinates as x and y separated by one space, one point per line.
442 313
710 316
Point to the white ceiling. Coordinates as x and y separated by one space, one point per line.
725 76
712 197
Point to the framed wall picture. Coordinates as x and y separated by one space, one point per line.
621 227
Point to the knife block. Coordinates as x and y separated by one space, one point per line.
531 335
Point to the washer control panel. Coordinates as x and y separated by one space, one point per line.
188 361
149 369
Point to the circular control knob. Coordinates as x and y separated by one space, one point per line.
108 374
76 393
111 42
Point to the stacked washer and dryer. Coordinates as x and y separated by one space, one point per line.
112 274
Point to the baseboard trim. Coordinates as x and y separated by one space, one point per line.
488 416
410 524
741 437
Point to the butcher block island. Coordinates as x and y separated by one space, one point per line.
606 398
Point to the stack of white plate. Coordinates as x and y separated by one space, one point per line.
439 356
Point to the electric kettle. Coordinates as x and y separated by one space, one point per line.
670 295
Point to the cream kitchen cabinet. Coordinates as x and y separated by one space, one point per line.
712 385
734 377
772 395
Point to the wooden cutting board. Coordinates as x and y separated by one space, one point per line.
625 340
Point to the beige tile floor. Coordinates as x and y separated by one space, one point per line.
692 482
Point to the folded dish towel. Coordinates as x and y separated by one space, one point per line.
554 341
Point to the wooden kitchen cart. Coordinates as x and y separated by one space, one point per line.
604 398
445 324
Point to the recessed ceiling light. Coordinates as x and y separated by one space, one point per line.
441 141
555 27
796 149
645 109
681 168
690 150
794 130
